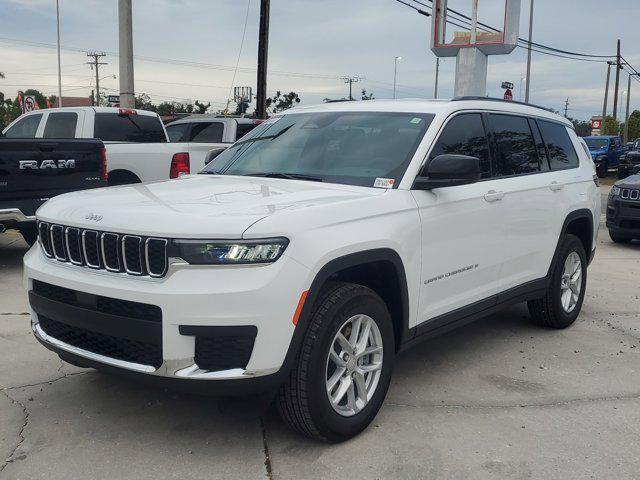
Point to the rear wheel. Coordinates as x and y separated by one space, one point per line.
343 370
122 177
563 300
617 238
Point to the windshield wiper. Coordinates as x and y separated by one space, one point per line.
266 137
289 176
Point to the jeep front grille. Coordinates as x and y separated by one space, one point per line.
114 252
630 193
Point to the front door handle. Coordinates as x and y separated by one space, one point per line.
555 186
493 196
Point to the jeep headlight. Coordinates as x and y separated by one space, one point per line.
615 191
230 252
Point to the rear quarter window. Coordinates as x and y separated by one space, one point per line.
559 145
128 128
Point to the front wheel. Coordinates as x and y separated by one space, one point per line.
561 305
344 367
602 169
617 238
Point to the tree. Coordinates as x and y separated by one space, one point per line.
241 108
143 102
201 107
582 128
171 108
611 126
366 96
280 102
634 125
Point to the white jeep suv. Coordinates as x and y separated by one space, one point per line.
311 252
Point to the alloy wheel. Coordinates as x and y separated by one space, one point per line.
354 365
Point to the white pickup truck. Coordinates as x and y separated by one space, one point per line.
136 142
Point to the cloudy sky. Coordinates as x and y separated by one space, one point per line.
188 49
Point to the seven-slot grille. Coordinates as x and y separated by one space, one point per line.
114 252
630 193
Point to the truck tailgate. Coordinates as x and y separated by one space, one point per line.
38 167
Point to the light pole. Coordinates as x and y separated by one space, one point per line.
526 94
395 74
59 67
522 79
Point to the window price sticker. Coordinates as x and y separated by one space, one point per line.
384 182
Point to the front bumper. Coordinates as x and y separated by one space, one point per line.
260 297
623 217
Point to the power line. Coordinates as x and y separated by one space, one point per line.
244 32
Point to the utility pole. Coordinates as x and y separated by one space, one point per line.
351 81
526 93
626 115
59 66
606 97
125 51
615 91
263 51
435 88
95 65
566 107
395 74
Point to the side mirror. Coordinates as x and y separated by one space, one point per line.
449 171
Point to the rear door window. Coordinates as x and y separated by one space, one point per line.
516 152
112 127
207 132
61 125
465 135
177 132
26 127
559 146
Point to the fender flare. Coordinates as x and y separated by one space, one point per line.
334 266
575 215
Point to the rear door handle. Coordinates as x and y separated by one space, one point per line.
555 186
493 196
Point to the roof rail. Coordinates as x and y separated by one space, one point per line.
493 99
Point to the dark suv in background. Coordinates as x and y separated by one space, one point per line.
630 161
623 210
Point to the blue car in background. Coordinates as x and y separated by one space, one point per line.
606 152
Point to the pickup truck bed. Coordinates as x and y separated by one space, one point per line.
34 170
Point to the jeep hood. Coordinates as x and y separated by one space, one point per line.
633 181
214 206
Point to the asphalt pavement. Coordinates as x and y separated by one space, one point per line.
498 399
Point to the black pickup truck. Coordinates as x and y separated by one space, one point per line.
34 170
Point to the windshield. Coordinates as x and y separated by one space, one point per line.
636 145
355 148
597 143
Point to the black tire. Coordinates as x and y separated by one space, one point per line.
122 177
29 233
302 401
617 238
602 170
548 311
